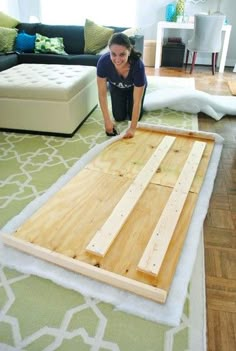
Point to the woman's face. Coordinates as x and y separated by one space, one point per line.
119 55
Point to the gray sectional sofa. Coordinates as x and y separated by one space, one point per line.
74 42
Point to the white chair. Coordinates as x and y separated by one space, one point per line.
206 38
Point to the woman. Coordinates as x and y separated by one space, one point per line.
125 72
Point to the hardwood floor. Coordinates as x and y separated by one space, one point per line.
220 223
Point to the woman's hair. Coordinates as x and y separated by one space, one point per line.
123 40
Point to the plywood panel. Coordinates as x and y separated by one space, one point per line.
62 228
127 157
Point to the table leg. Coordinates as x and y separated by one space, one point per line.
160 35
224 50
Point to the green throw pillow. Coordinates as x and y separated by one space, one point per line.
49 45
95 37
7 21
7 39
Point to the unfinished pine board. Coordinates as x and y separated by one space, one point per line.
83 268
156 249
110 229
62 228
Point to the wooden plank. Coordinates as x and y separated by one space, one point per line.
156 249
86 269
105 236
196 134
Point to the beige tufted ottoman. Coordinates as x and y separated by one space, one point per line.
47 98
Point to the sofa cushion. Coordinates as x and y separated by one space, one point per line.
96 37
28 57
44 44
29 28
7 21
73 36
25 42
8 61
83 60
7 39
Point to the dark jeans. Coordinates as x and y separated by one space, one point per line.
122 103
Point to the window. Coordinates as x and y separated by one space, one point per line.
103 12
9 7
3 6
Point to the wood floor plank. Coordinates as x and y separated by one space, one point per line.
220 237
220 202
232 202
221 330
221 301
221 263
234 218
220 185
216 283
219 219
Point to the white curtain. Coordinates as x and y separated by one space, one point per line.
23 10
103 12
11 7
3 5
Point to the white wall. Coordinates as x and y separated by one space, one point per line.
229 9
149 12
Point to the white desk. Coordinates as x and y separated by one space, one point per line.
162 25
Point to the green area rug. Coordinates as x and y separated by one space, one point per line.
37 314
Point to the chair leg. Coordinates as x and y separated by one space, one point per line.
193 61
214 55
216 59
186 61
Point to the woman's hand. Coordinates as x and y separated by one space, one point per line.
109 126
129 133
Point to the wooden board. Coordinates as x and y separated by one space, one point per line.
61 229
158 244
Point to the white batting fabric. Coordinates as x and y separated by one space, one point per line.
171 312
190 101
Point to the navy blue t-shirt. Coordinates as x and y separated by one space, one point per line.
136 76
